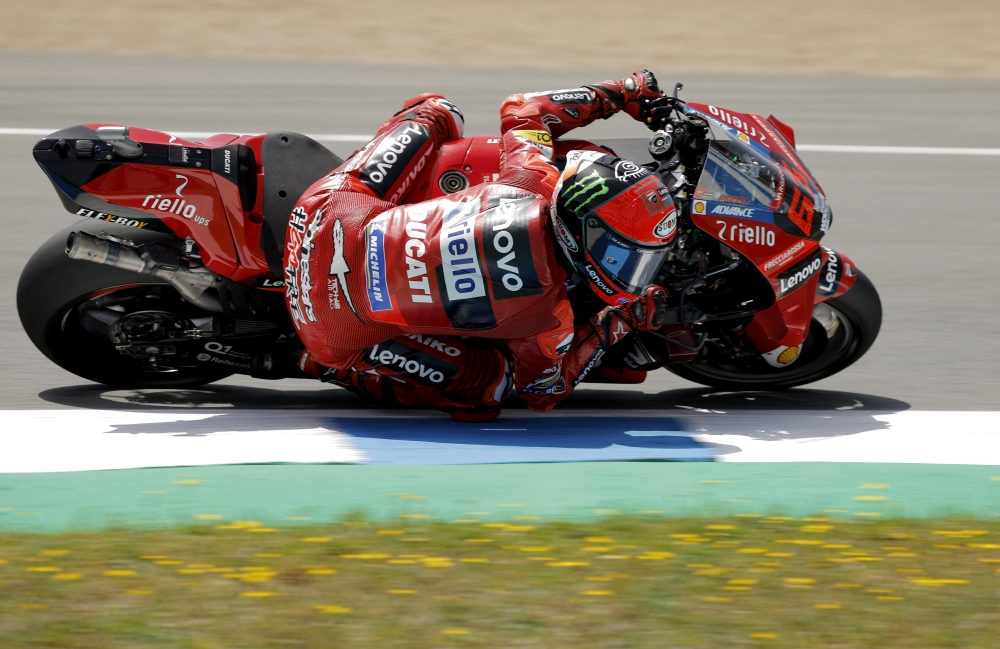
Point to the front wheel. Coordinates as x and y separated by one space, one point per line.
72 310
842 330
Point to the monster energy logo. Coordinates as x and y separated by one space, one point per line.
585 190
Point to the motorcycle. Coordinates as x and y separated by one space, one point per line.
176 278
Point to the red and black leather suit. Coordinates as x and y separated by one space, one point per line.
452 302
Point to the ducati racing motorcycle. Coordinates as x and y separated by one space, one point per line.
173 275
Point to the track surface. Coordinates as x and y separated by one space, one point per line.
924 228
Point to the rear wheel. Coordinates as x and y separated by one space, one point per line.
74 310
842 330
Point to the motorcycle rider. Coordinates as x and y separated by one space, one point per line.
453 302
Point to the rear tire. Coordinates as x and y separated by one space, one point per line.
52 287
860 314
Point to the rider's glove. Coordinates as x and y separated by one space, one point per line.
640 92
611 326
650 310
642 314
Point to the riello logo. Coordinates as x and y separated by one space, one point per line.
178 206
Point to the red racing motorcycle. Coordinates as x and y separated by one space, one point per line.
175 278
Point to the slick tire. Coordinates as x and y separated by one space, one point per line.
860 314
51 288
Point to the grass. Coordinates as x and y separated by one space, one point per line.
624 582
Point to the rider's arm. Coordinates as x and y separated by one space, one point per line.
531 122
549 366
542 381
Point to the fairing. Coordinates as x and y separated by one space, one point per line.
189 188
756 196
754 173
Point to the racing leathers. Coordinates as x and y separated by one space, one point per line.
451 302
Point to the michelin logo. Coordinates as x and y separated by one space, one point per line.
378 295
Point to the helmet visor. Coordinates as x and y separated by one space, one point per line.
631 267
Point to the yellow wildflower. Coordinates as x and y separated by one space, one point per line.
68 576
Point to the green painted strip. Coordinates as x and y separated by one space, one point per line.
298 494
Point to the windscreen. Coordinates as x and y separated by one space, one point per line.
743 178
739 174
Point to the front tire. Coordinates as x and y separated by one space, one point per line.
824 353
52 296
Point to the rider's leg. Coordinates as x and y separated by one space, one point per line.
466 377
403 145
328 273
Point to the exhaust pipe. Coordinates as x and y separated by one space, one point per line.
153 260
84 246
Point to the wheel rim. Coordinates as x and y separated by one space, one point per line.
85 332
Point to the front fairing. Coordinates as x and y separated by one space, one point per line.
756 195
750 164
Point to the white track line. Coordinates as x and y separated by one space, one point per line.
906 150
817 148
